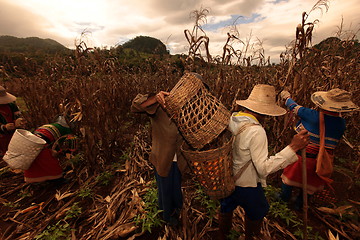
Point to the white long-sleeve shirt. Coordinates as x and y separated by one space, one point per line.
252 144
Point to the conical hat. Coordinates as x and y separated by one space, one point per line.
262 100
335 100
6 97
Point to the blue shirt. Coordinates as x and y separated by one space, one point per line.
309 119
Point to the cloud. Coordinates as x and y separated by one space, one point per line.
111 22
15 20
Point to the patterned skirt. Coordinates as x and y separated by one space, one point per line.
292 174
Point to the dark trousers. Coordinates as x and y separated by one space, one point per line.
251 199
286 193
169 193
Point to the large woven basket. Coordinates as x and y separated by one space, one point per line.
199 116
23 148
213 168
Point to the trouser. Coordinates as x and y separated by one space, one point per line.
253 201
169 193
252 227
286 192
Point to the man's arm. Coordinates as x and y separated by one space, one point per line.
265 164
148 103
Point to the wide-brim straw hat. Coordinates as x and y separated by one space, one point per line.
262 100
335 100
6 97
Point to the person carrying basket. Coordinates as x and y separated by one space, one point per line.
46 166
251 163
166 156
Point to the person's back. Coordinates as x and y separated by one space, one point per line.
251 159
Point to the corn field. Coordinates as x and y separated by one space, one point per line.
96 89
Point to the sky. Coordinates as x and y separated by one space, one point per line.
109 23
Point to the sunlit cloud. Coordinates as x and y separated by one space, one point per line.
112 22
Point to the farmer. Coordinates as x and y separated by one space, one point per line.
10 119
165 155
320 151
250 155
46 166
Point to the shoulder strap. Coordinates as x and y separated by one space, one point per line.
245 126
242 169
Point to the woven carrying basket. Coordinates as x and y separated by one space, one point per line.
213 169
23 148
199 116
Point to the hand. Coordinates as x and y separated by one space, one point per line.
300 140
20 123
284 95
10 126
160 98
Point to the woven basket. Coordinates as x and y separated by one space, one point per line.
199 116
212 168
23 148
340 189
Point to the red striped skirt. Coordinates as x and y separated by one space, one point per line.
292 174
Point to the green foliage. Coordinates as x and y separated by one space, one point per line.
125 156
146 44
24 193
105 178
61 230
85 192
234 235
73 212
20 102
77 159
280 210
30 45
210 205
11 204
151 216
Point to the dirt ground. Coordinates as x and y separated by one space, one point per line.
26 209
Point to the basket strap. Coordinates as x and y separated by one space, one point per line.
238 174
245 126
242 169
54 145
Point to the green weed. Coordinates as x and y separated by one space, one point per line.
210 205
76 159
73 212
105 178
11 204
85 192
61 230
151 216
24 193
280 210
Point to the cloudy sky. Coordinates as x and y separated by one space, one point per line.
113 22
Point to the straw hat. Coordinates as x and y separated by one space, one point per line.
335 100
262 100
6 97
